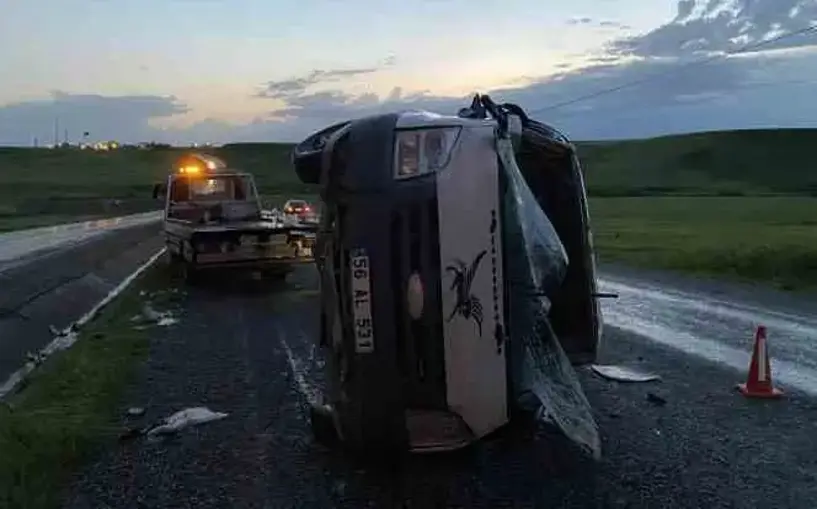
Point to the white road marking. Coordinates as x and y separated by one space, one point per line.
714 330
309 392
66 339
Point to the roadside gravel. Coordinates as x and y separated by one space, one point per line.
692 443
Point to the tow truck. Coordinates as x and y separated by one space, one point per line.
213 219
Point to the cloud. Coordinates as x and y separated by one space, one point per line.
585 21
293 87
125 117
655 87
725 26
639 85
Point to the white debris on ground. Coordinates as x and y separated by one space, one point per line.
62 340
150 314
65 338
185 418
624 374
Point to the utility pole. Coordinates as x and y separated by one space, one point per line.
65 136
56 131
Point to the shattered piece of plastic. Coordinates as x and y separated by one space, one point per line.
655 399
166 321
623 374
150 313
186 418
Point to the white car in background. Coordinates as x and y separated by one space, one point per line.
300 211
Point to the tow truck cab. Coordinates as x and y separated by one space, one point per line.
202 189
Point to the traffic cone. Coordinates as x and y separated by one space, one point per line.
759 382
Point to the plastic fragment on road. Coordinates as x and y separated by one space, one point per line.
151 314
185 418
655 399
166 321
623 374
160 318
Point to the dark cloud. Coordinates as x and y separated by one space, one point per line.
725 26
106 117
293 87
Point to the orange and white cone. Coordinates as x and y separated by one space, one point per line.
759 382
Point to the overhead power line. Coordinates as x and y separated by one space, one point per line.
679 104
683 67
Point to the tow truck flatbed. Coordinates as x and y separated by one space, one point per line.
213 219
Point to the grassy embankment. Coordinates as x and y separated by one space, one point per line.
67 409
727 204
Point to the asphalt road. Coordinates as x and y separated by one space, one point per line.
20 247
249 353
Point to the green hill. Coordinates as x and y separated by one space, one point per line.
726 163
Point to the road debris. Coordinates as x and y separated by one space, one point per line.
185 418
150 314
655 399
624 374
136 411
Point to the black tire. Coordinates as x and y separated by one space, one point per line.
174 259
322 421
277 275
190 272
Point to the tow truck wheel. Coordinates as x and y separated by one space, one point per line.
189 272
322 421
175 259
278 275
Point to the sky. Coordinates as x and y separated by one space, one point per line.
185 71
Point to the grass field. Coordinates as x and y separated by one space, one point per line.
771 239
731 163
67 410
735 203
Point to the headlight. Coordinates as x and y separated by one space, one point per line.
422 151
